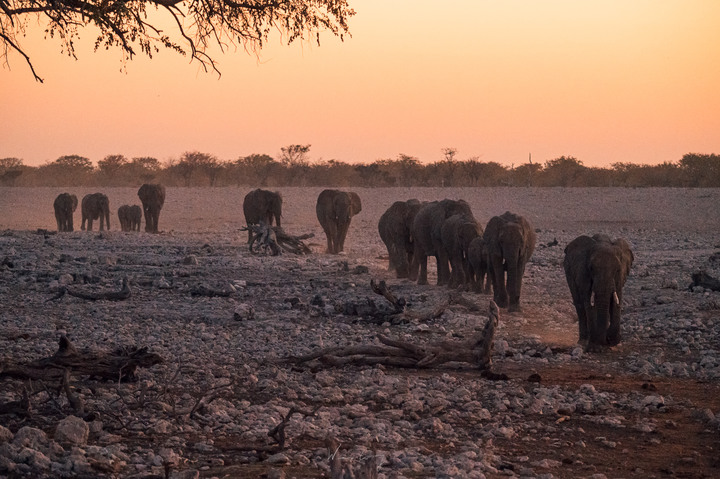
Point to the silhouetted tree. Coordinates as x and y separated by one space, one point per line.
110 166
562 171
196 25
255 169
10 169
700 169
142 169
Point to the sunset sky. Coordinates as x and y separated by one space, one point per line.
604 81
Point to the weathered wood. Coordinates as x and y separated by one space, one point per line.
366 470
476 350
122 294
118 365
273 240
701 278
382 289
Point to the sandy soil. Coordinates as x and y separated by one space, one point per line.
648 408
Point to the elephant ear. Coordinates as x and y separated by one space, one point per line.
625 254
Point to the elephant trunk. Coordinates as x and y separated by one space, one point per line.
605 318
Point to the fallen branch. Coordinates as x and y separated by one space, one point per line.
338 470
476 351
20 407
701 278
400 313
123 294
273 240
203 290
119 365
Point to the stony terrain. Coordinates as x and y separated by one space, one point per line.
648 408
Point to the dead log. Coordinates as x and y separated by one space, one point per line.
367 470
20 407
118 365
202 290
122 294
476 350
274 240
701 278
402 314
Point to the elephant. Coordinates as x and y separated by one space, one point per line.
596 269
94 206
456 234
335 210
261 206
395 228
478 259
152 197
65 205
510 241
427 239
130 217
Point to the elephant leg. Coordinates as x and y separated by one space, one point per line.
498 280
443 267
582 314
422 262
89 224
342 234
331 232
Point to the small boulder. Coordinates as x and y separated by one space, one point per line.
72 430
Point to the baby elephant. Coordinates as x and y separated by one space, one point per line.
130 217
596 269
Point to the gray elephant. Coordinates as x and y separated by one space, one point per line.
335 210
426 234
478 259
261 206
130 217
510 241
65 205
596 269
457 233
95 206
152 197
395 227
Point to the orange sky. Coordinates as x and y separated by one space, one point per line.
604 81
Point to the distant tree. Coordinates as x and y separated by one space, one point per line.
448 166
74 162
255 169
68 170
473 169
374 175
293 155
701 170
10 170
409 170
143 169
563 171
193 162
525 174
111 165
194 26
297 166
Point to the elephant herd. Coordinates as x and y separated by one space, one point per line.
96 206
467 255
494 258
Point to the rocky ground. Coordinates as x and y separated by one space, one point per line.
648 408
